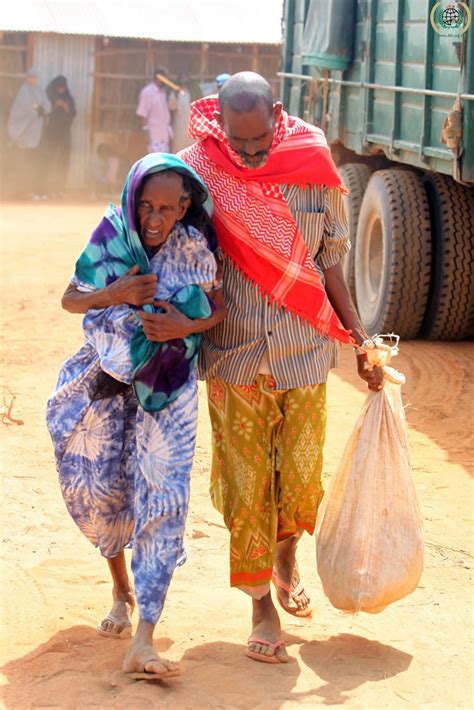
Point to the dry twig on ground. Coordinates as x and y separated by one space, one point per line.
6 412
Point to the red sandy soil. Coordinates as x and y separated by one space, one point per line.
415 654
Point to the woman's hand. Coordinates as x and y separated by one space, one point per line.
172 324
132 288
160 327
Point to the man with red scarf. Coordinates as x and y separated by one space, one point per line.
282 231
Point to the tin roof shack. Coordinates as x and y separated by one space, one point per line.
108 51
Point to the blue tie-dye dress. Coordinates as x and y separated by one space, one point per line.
124 471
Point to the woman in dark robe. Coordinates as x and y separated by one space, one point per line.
57 135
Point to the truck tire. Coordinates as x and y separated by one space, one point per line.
393 253
355 176
451 296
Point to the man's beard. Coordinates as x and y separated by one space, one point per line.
254 164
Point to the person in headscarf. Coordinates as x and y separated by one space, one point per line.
282 231
25 128
57 134
124 412
221 80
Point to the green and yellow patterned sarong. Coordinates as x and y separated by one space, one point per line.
266 469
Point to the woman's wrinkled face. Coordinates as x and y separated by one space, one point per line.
161 205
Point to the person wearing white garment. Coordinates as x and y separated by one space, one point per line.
154 109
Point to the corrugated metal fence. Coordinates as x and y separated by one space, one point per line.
73 57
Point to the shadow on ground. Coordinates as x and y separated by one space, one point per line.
76 665
347 661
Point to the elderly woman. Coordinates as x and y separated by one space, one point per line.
123 415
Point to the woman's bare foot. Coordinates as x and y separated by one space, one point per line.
266 628
142 661
289 588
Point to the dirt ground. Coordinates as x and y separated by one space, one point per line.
415 654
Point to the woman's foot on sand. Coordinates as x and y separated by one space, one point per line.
118 622
290 592
265 642
143 663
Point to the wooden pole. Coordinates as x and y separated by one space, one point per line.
96 92
255 58
204 61
168 82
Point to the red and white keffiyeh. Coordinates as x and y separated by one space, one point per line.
254 224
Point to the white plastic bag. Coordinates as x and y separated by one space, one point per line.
369 538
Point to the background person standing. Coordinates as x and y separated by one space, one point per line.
221 80
57 134
154 109
25 129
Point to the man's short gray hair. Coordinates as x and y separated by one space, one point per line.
243 91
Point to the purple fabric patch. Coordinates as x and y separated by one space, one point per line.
103 233
167 370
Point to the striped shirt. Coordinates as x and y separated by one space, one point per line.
258 336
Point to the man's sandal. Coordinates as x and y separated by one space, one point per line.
264 658
294 591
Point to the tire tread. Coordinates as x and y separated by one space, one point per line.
407 290
451 300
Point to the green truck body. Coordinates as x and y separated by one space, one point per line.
397 90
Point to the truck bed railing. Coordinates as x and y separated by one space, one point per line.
386 87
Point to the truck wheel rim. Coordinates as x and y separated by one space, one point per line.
373 257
